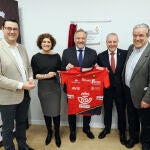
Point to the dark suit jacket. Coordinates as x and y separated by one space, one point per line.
140 79
116 78
70 56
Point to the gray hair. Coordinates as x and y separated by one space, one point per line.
143 25
80 30
114 34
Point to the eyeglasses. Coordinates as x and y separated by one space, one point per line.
9 29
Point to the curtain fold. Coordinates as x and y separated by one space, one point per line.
72 30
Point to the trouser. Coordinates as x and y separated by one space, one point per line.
133 116
17 112
109 99
145 125
72 122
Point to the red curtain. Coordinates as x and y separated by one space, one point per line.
72 30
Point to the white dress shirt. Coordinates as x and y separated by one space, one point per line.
14 50
115 57
131 63
79 52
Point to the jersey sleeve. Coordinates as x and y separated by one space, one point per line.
63 77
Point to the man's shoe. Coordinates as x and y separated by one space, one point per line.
25 148
48 138
1 143
57 140
123 139
72 136
103 133
131 142
89 134
145 146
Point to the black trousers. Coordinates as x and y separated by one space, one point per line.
72 122
137 117
17 112
112 95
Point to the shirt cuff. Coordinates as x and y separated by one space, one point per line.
20 85
30 78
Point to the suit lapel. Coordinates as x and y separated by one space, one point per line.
22 57
106 57
130 50
141 61
74 56
86 57
119 59
9 53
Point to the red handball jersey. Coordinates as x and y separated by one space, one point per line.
85 90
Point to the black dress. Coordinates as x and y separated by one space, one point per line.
49 91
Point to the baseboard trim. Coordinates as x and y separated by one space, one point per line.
79 124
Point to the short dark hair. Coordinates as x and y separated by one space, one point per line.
43 36
12 20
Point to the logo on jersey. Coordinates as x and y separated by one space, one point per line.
95 82
70 96
99 97
75 88
95 88
93 75
76 81
84 100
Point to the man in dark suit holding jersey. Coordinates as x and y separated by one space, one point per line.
79 56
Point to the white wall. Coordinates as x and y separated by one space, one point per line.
54 16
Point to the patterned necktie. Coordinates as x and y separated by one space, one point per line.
113 62
80 58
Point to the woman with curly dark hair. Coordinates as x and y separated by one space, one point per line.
45 65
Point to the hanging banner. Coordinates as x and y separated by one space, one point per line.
8 10
93 32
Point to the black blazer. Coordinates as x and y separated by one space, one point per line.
70 56
115 78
